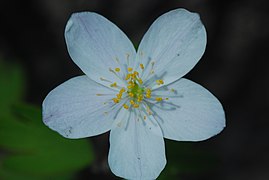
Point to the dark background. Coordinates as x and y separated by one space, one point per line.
234 68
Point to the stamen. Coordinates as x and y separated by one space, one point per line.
136 105
116 100
135 73
128 77
130 69
103 79
159 81
131 94
119 96
132 102
127 58
122 90
141 66
117 69
125 106
158 99
113 85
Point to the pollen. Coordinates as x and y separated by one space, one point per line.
141 66
131 94
148 93
117 69
130 69
116 100
128 76
132 102
113 85
122 90
158 99
125 106
119 95
140 81
136 105
135 73
159 81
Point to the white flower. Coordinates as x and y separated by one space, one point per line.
141 96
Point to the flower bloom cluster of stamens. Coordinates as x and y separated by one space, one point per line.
135 91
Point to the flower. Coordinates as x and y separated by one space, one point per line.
140 96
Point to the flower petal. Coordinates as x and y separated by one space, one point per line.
191 113
175 42
95 44
136 150
74 109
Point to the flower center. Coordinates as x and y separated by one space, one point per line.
135 91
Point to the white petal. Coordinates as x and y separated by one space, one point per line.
175 42
136 150
74 109
192 113
95 44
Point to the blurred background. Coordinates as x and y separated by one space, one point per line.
34 60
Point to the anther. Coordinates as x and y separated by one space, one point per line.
117 69
158 99
113 85
132 102
159 81
125 106
116 100
141 66
131 94
130 69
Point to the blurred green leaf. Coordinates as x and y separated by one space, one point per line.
29 149
12 80
38 150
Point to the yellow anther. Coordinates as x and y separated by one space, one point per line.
133 76
130 86
127 76
159 81
131 94
136 105
135 73
132 102
140 81
141 66
125 106
117 69
116 100
130 69
158 99
122 90
148 95
145 117
113 85
139 99
119 96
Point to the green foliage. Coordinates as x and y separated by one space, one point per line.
28 149
11 86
